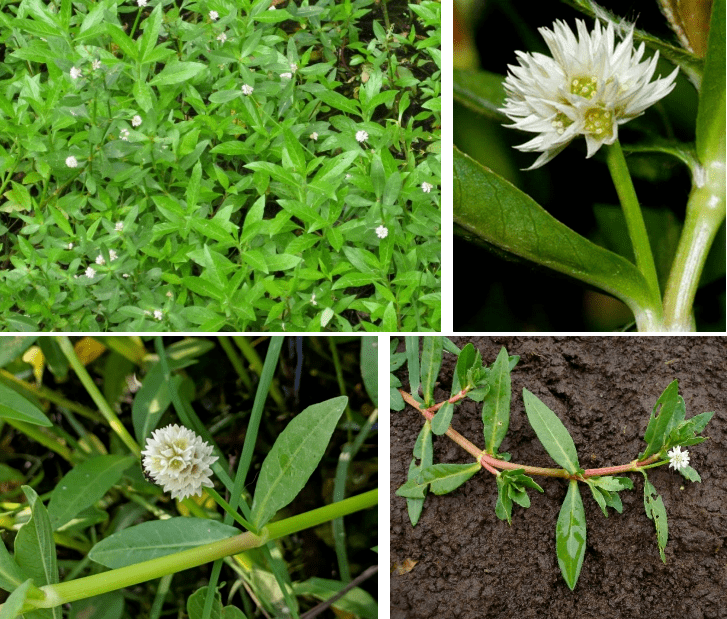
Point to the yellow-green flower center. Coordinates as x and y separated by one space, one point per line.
599 122
561 122
584 86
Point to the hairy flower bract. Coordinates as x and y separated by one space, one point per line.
179 461
589 87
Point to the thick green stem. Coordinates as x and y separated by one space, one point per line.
104 582
705 214
636 227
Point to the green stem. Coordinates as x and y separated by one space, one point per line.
114 422
705 214
635 223
112 580
228 508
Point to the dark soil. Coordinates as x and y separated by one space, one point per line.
469 564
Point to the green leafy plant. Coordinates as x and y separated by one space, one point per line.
667 432
129 531
651 259
219 166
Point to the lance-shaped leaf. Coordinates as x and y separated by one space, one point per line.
496 406
605 491
661 419
443 479
655 510
570 535
424 452
684 433
465 361
552 433
431 362
295 455
441 421
511 486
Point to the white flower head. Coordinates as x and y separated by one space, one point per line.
119 227
90 272
141 2
222 37
314 136
124 134
214 15
100 260
158 314
96 65
113 255
678 459
286 76
71 162
75 73
427 187
362 136
247 89
70 245
293 67
179 461
136 121
382 232
313 299
589 87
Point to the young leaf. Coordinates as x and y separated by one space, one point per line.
465 361
293 458
570 535
441 421
496 407
655 434
15 406
690 474
431 362
448 477
414 506
11 576
551 432
412 357
655 510
15 602
35 549
423 451
503 507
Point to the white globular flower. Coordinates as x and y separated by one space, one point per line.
247 89
141 2
286 76
96 65
158 314
119 227
75 73
589 87
222 37
179 461
293 67
70 245
362 136
136 121
313 299
113 255
90 272
314 136
382 232
427 187
71 162
678 459
100 260
124 134
214 15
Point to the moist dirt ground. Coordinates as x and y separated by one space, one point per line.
469 564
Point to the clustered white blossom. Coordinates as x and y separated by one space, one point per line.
141 2
247 89
589 87
214 15
678 459
158 314
119 227
362 136
222 37
314 136
124 134
426 187
136 121
179 461
286 76
382 232
75 73
71 162
96 65
90 272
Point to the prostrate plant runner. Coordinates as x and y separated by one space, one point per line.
666 434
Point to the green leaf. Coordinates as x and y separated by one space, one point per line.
655 510
152 27
195 604
687 429
35 550
15 602
293 458
355 603
491 208
15 406
338 101
503 507
443 478
442 419
294 152
605 490
465 360
480 91
711 110
177 73
660 419
690 474
496 407
11 576
370 366
157 538
412 356
431 362
85 484
13 346
552 433
123 40
570 535
423 450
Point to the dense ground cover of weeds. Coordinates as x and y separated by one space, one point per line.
219 165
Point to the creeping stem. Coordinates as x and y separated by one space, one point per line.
489 462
